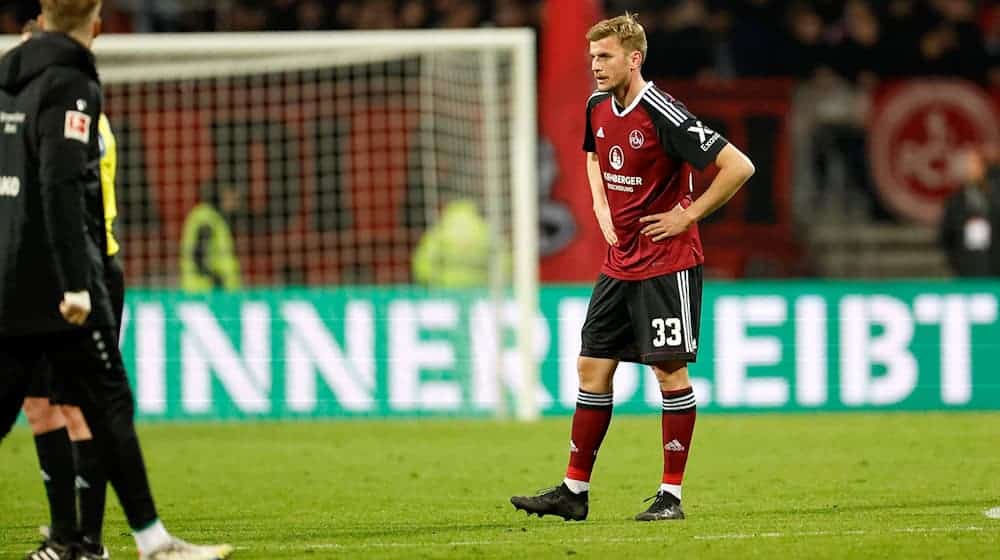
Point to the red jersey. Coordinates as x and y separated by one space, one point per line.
646 152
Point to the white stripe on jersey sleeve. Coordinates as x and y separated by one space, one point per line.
676 115
662 109
668 103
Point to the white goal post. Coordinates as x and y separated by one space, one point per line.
345 147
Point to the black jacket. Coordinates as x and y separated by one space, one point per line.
972 203
51 212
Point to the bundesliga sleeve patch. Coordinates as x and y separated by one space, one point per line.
77 126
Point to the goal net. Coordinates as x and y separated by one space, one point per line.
398 163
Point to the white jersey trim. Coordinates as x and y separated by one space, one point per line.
633 105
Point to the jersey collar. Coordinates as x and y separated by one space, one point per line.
633 105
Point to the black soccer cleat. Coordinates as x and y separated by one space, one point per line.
559 501
665 506
51 549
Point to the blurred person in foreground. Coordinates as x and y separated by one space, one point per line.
54 302
970 225
56 421
642 146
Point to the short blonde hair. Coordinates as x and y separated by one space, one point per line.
626 27
68 15
31 27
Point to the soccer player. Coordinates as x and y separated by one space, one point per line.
641 144
54 301
208 258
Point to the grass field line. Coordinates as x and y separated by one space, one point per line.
627 540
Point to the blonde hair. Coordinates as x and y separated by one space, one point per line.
69 15
626 27
31 27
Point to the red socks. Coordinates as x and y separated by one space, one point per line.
593 417
679 412
590 424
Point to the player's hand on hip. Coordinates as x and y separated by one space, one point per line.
666 224
75 307
607 225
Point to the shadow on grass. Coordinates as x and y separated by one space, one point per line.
858 508
454 531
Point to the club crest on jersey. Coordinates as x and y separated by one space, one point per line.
636 139
617 157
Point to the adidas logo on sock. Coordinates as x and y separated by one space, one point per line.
674 445
572 447
46 477
81 484
600 132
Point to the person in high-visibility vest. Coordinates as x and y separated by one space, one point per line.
112 266
454 252
208 256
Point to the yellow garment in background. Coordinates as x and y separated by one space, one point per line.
109 168
223 268
454 252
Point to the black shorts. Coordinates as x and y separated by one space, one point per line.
17 370
40 380
40 383
84 366
645 321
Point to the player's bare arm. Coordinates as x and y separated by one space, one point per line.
735 168
601 209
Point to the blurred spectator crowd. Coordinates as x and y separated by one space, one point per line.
836 53
857 39
126 16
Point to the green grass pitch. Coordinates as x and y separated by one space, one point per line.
769 486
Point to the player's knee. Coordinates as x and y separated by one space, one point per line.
34 409
76 423
672 375
42 416
595 374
